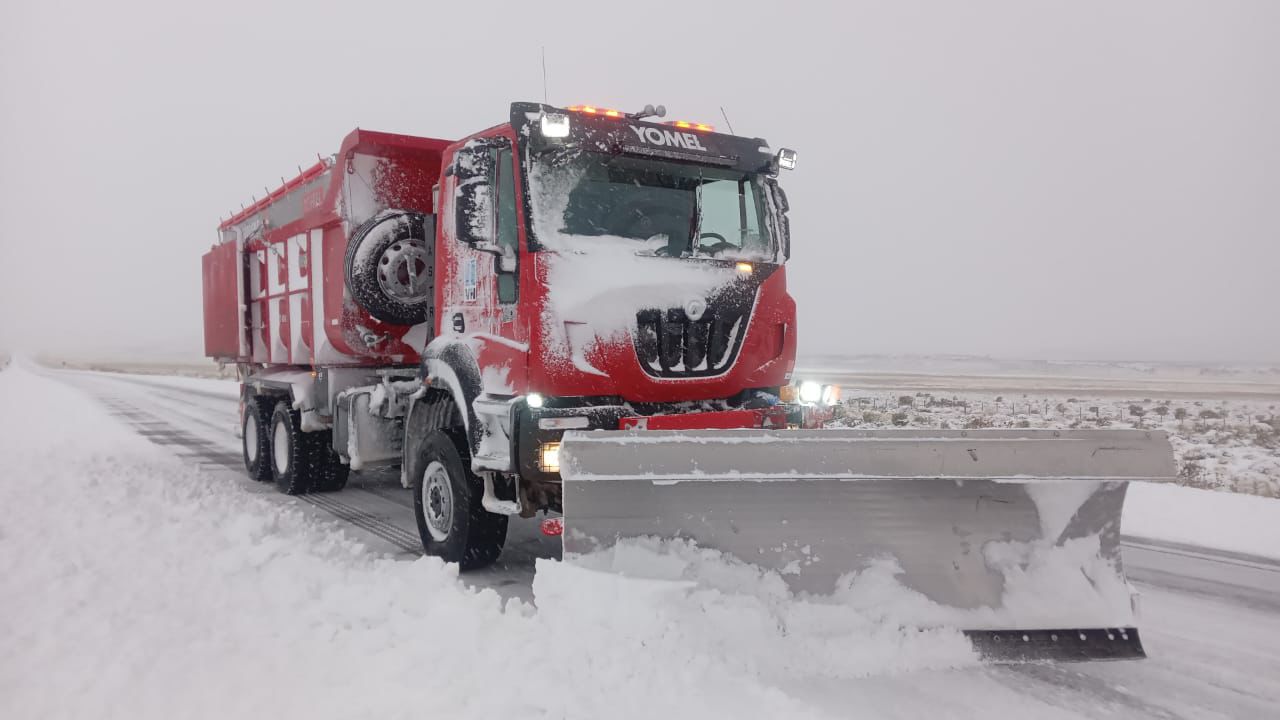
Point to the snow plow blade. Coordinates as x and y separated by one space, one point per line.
1011 535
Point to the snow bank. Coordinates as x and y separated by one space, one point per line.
1207 518
693 603
135 586
1045 586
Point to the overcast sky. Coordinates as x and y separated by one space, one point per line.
1022 179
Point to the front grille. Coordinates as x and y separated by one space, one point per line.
669 344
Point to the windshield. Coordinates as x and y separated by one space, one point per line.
653 203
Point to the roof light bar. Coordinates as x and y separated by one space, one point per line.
686 125
611 113
593 110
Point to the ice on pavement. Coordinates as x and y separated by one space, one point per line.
137 586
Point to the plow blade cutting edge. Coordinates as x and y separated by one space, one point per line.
1011 535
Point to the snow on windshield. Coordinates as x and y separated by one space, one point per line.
597 282
665 208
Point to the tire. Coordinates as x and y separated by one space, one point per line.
292 457
256 438
330 472
452 523
391 267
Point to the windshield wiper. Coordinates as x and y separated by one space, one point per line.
696 237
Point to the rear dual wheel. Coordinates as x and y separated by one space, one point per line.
256 443
276 449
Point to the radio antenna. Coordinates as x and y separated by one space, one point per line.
725 115
544 74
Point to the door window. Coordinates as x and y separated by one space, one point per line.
507 235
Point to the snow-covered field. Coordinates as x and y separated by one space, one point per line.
1221 443
138 585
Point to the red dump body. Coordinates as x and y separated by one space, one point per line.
274 286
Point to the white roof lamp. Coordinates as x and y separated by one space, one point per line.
787 159
555 125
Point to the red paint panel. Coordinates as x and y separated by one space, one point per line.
223 322
719 420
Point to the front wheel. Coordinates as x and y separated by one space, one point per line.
452 522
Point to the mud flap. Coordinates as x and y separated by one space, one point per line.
1000 530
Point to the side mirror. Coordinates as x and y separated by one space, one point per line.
784 223
780 197
472 169
473 211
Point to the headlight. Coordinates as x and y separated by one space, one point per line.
534 400
810 391
549 457
830 394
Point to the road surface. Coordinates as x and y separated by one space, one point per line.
1210 620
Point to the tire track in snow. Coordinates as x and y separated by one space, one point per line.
201 451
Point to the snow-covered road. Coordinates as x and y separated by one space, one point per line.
197 420
1211 619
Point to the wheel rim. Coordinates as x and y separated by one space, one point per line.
280 446
404 272
251 439
437 501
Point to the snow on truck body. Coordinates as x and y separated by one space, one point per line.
598 292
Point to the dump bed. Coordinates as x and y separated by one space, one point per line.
275 286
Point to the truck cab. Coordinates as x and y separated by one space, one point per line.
601 270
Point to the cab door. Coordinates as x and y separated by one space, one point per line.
482 292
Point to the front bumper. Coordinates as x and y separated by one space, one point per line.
536 427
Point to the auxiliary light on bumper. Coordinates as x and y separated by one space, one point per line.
810 392
549 457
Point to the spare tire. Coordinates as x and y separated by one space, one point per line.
391 267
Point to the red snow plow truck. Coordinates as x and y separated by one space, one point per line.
583 312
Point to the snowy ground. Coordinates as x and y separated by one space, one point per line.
141 584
